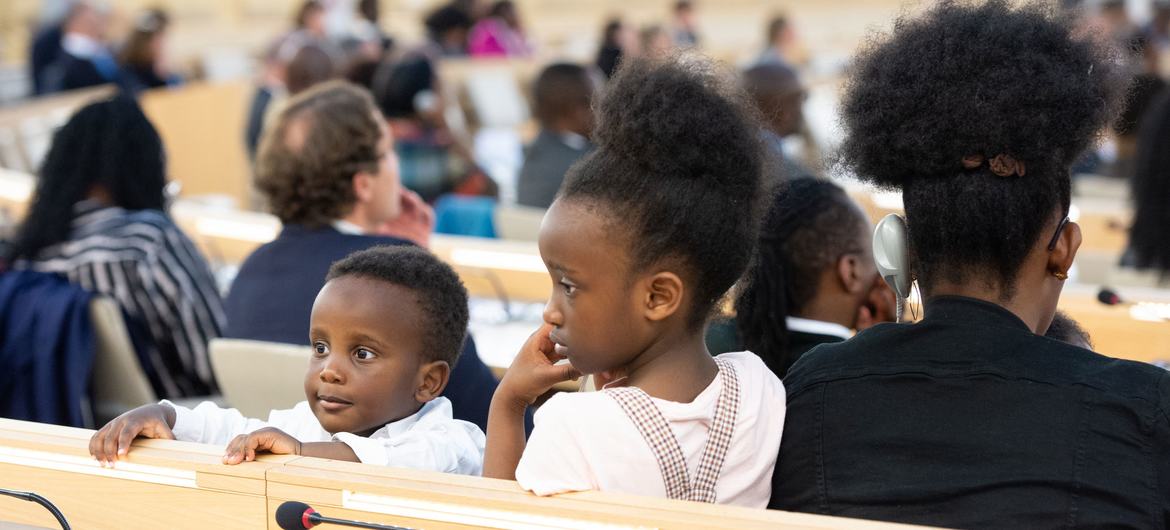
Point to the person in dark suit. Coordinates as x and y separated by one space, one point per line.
85 60
971 418
814 280
564 97
329 171
45 48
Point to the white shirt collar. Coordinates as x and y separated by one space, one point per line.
574 140
347 227
817 327
81 46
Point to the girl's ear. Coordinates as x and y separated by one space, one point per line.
432 379
663 295
1062 255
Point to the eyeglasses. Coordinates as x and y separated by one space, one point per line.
1056 235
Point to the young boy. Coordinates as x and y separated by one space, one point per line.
386 330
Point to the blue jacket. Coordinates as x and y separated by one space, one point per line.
47 346
273 295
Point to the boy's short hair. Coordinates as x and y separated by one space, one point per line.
560 89
441 294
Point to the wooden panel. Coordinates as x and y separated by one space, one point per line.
168 484
202 126
162 483
422 499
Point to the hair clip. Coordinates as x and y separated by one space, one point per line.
1002 165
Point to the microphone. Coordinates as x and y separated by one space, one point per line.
33 497
293 515
1108 297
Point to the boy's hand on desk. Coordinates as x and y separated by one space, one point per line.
244 447
113 441
534 371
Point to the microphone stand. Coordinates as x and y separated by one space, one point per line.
33 497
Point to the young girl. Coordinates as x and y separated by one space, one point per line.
647 234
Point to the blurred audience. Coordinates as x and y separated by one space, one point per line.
98 217
684 29
368 29
779 95
291 68
312 64
447 28
618 40
1144 86
563 96
44 50
780 39
500 34
310 20
143 56
432 161
84 59
655 41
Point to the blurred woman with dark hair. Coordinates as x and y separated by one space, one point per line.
143 57
98 218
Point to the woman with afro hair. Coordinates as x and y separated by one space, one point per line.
971 418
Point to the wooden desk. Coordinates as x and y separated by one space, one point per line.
168 484
163 483
420 499
1115 332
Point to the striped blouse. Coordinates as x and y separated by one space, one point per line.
145 263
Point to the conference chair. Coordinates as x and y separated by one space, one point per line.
119 382
518 223
256 377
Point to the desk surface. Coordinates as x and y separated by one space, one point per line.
136 495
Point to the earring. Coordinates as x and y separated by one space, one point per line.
1062 276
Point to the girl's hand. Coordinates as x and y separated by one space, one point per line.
534 371
244 447
113 440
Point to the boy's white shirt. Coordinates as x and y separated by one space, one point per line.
584 441
429 439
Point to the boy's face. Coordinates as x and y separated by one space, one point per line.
367 339
594 307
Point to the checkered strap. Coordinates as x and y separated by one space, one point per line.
719 437
656 431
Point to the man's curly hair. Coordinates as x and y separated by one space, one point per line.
309 156
979 79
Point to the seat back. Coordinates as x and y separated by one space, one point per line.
519 223
256 377
119 382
